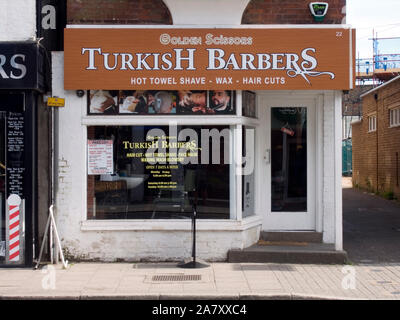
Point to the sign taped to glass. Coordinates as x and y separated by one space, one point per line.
241 59
100 157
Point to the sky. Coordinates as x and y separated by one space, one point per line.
382 16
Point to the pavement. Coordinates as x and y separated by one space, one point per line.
371 238
228 281
371 226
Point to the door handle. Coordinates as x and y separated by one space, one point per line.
267 156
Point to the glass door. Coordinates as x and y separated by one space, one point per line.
288 159
290 165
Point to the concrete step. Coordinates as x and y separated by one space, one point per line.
292 236
300 252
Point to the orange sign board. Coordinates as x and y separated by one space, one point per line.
235 59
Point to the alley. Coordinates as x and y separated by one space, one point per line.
371 227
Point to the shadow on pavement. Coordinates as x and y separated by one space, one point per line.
371 227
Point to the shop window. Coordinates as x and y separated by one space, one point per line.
372 123
394 117
158 172
153 102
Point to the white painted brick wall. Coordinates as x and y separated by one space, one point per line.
328 201
151 246
17 20
224 12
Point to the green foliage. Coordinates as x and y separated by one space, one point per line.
389 195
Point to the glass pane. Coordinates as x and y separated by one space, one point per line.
289 159
391 117
136 172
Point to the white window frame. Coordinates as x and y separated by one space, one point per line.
235 123
394 117
372 123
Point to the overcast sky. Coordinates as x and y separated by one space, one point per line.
381 15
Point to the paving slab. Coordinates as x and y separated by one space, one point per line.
371 227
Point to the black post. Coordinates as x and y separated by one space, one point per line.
194 233
192 263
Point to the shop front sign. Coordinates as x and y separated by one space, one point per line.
22 66
238 59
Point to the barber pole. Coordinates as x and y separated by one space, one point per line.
14 202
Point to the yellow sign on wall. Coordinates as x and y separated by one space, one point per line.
55 102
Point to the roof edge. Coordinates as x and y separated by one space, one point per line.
379 87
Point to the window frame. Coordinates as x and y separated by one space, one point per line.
394 117
372 123
235 123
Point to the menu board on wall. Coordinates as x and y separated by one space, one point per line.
100 157
15 153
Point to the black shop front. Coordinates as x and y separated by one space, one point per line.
22 83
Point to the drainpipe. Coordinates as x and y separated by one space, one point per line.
52 199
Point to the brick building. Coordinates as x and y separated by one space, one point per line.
157 12
376 140
352 108
129 67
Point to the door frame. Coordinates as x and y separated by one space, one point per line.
292 221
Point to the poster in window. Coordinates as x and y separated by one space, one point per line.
147 102
221 102
103 102
193 102
132 101
249 104
100 157
155 102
